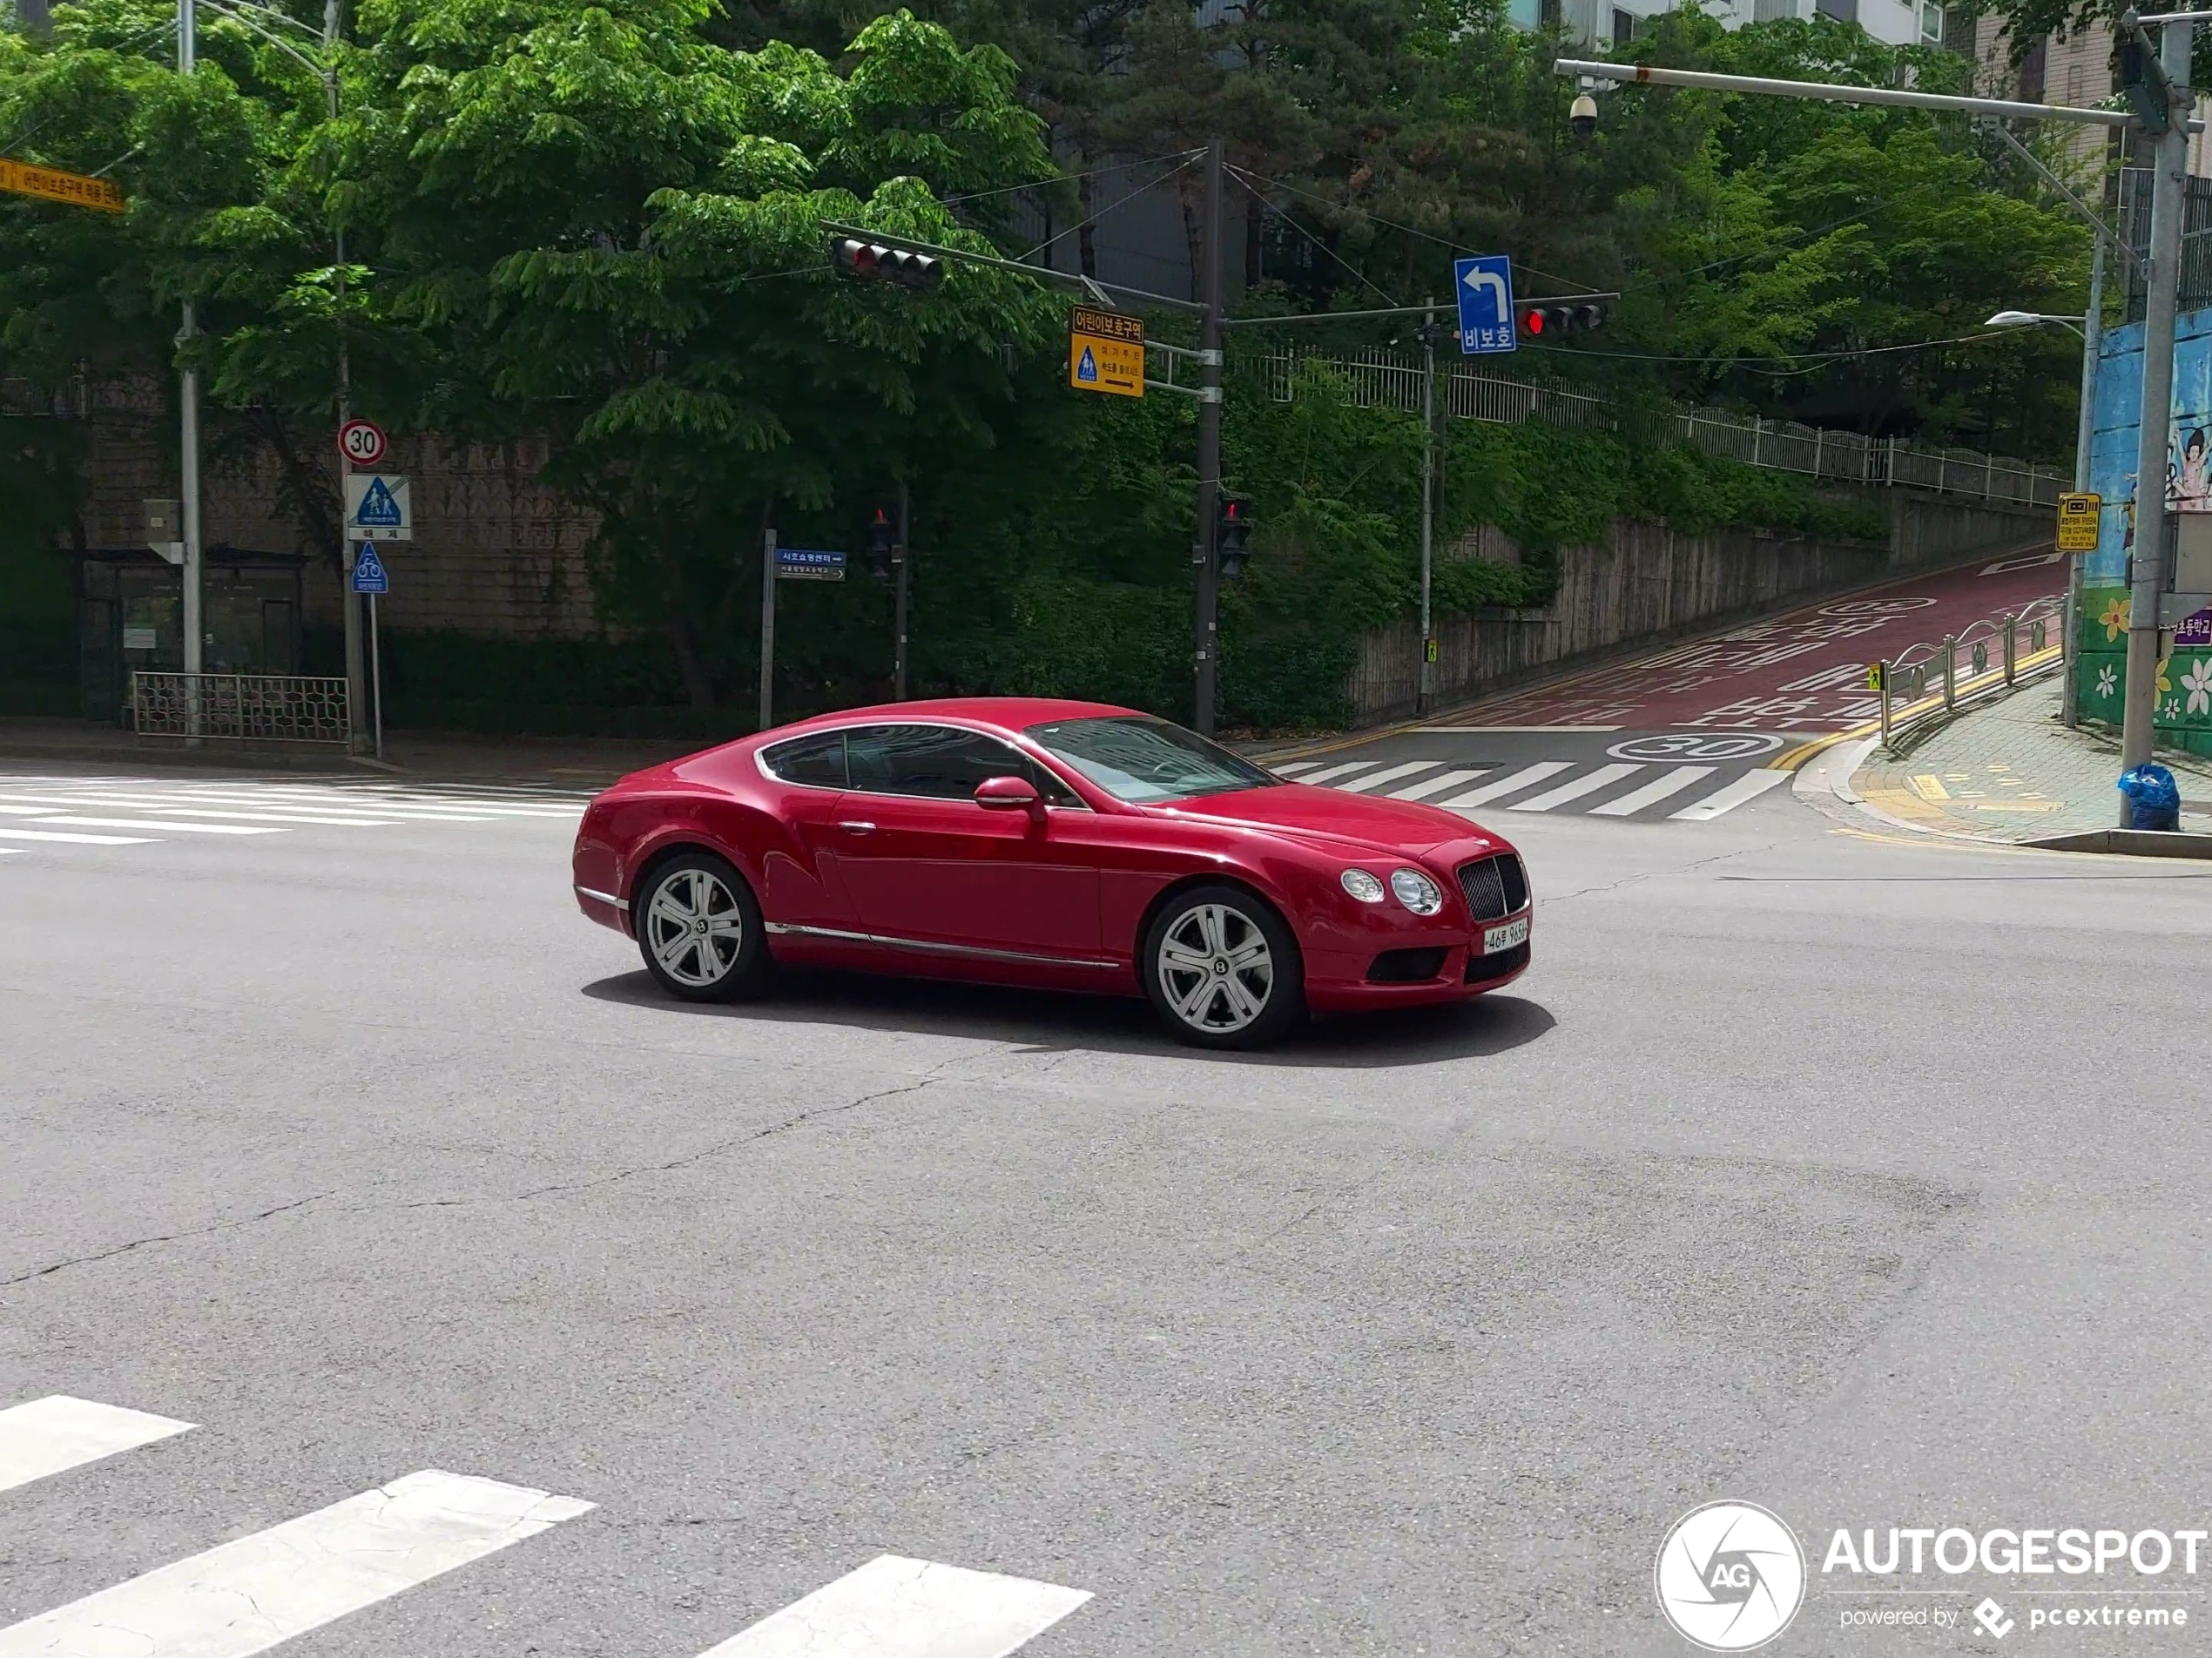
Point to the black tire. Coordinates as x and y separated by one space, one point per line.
698 928
1189 966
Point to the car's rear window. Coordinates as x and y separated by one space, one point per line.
1140 759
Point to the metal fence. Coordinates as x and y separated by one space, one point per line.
1382 378
1925 684
243 708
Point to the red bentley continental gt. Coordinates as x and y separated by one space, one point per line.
1064 845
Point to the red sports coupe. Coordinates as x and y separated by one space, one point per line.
1071 845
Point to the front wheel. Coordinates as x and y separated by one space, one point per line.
699 930
1222 968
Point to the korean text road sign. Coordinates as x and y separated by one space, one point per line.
1484 284
377 509
361 442
808 565
2080 517
1105 352
52 184
369 573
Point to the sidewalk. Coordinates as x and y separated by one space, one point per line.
557 762
2011 771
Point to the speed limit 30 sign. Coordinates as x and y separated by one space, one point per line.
361 442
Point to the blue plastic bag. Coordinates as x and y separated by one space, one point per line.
2154 799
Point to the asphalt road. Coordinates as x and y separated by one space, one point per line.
1860 1179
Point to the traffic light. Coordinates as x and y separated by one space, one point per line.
1232 529
881 538
2144 81
873 262
1541 321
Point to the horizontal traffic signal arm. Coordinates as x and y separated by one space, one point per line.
1445 309
912 246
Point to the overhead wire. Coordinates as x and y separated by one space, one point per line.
1070 178
1123 201
1260 196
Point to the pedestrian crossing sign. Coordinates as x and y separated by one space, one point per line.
378 508
369 573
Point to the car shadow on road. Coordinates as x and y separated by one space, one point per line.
1048 1021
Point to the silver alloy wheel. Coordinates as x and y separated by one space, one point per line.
1216 969
694 928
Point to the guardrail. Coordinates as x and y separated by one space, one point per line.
1983 658
241 708
1393 379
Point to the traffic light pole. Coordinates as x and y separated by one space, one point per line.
188 453
1207 552
768 628
901 556
1428 502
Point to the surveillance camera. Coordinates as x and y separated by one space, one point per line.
1581 114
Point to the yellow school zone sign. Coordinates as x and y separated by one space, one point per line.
52 184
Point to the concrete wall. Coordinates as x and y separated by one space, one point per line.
494 552
1646 583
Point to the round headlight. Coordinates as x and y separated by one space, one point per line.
1362 885
1416 892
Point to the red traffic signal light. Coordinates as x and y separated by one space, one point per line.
1232 530
1537 321
882 542
873 261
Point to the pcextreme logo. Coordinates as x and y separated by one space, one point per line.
1730 1576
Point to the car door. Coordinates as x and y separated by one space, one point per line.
799 874
921 862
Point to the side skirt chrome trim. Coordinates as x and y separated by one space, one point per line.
930 947
604 897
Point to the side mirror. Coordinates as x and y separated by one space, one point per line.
1008 794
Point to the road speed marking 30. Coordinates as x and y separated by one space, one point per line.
1697 746
361 442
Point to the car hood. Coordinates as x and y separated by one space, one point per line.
1405 827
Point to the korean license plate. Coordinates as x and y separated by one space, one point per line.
1495 939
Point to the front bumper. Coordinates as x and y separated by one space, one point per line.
1341 981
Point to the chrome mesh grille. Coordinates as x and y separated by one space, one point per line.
1495 887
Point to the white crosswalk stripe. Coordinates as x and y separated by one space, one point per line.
1651 793
1389 774
249 1595
62 811
1598 789
1526 778
1294 768
54 1434
1749 786
1604 778
895 1608
257 1592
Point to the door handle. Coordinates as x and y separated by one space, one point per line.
856 827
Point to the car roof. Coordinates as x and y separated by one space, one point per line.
1009 713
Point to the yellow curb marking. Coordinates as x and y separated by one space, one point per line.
1929 788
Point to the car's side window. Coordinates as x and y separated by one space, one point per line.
818 761
939 762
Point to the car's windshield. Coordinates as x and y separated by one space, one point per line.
1143 760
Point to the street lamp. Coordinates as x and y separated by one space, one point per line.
2090 326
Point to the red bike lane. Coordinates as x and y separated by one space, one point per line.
1805 671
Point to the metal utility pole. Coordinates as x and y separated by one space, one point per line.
349 601
1428 497
2169 188
900 555
188 449
2093 334
1210 331
768 628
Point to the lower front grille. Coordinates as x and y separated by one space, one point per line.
1406 967
1498 964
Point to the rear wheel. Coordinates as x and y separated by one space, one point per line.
699 930
1223 970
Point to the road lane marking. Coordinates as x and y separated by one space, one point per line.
1428 786
248 1595
175 827
1749 786
1528 776
1389 775
1603 777
66 838
1328 772
51 1435
1293 768
895 1608
47 802
1653 791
